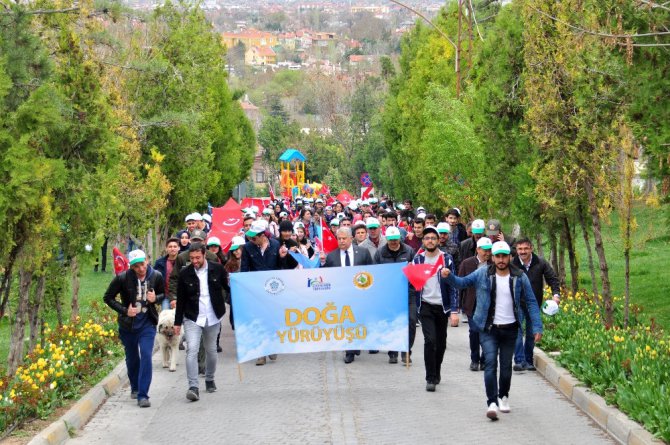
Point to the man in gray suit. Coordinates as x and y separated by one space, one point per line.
346 255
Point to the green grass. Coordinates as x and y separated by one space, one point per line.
649 262
92 288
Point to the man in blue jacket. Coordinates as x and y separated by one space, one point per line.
500 290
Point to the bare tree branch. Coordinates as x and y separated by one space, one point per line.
655 5
427 21
44 11
474 17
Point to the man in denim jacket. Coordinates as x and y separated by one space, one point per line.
500 290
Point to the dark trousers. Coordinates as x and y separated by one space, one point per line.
413 316
434 326
138 346
498 344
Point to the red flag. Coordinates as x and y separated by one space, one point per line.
121 263
261 203
272 192
344 197
418 274
366 192
329 240
325 190
226 222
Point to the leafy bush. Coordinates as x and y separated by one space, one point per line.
629 367
69 357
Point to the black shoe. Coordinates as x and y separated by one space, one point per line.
519 367
219 348
403 358
348 358
474 366
529 367
430 387
193 394
357 352
182 347
482 366
210 386
393 359
144 403
133 394
438 380
374 351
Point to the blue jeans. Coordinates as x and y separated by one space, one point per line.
523 351
475 355
497 344
139 346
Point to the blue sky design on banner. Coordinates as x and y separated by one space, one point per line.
316 304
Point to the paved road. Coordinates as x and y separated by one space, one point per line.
316 398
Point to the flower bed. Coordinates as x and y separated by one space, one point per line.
629 367
72 356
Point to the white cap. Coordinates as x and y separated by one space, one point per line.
550 307
256 228
365 202
335 222
372 223
267 211
500 247
420 209
298 225
250 215
196 216
282 214
136 256
373 200
353 205
254 209
189 217
484 243
213 241
341 216
478 226
443 227
421 215
237 242
319 200
207 217
392 233
264 223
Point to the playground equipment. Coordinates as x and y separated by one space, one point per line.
292 176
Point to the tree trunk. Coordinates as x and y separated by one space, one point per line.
34 311
74 306
15 357
561 259
6 289
553 251
538 247
589 253
600 251
574 264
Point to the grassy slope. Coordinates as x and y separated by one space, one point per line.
650 258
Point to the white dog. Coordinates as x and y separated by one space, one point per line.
167 340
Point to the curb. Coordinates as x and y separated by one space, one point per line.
610 419
80 413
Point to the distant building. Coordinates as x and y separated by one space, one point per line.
249 37
373 9
260 55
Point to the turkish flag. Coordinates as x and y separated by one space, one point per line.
419 274
271 191
328 241
226 222
121 263
344 197
246 203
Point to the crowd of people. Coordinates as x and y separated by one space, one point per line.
493 282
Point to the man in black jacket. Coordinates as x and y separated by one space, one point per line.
141 289
395 251
538 271
200 308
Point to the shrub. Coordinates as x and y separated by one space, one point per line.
629 367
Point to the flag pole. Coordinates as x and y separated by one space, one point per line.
239 371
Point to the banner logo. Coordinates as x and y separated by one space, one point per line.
363 280
274 285
318 283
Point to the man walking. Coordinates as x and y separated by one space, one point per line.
200 307
538 271
141 289
500 290
395 251
469 298
346 255
437 301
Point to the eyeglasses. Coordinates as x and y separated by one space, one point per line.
430 238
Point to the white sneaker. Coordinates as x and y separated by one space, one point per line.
492 412
504 405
